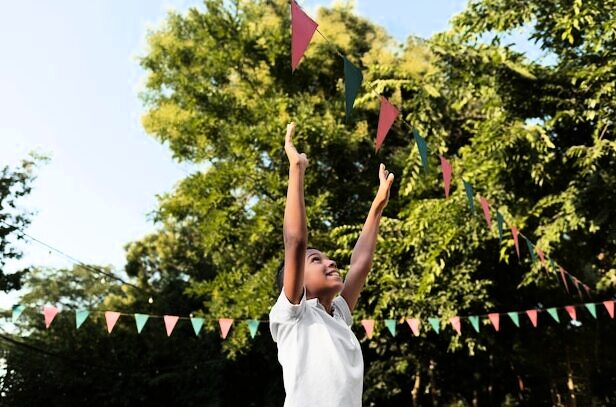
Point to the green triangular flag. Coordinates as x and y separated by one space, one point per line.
592 309
352 84
423 149
80 316
554 313
500 221
469 195
197 323
140 320
515 318
17 310
253 325
391 325
435 324
531 249
474 322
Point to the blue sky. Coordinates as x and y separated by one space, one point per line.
69 86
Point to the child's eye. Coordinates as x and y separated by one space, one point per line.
314 259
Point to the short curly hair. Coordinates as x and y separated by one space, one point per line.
280 273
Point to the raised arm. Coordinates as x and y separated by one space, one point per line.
294 229
361 259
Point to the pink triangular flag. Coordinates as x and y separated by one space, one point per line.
446 167
495 319
609 306
111 317
302 30
455 322
368 325
514 233
170 321
225 325
562 276
571 310
576 283
486 211
532 314
542 257
414 324
387 116
50 313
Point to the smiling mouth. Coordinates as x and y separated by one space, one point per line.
333 273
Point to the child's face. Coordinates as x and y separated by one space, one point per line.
321 275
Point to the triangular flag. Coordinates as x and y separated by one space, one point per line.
17 311
253 325
474 322
592 308
531 249
446 167
469 195
414 324
111 317
197 323
455 322
391 325
80 316
423 149
435 324
140 320
352 83
495 319
50 313
387 116
571 310
554 313
514 233
562 275
587 289
499 223
515 318
368 325
170 321
542 258
609 306
576 282
302 30
225 325
486 211
532 315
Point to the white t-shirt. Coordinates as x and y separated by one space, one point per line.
322 363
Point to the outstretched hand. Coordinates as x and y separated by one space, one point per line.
295 159
386 179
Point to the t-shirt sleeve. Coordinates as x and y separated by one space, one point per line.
343 308
284 312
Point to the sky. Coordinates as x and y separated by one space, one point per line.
69 84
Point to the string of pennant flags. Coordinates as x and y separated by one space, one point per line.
302 30
225 324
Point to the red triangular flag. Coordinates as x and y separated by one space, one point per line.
562 275
609 306
170 321
302 30
486 211
576 283
455 322
50 313
571 310
111 317
542 257
514 233
387 116
495 319
446 167
414 324
368 325
225 325
532 314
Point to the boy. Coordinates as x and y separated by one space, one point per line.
321 358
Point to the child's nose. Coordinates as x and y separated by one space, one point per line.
332 264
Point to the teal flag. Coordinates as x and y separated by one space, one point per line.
531 249
253 325
554 314
435 322
500 221
352 83
423 149
197 323
515 318
469 195
592 309
80 316
474 322
391 325
17 310
140 320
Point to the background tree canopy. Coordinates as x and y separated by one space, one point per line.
536 140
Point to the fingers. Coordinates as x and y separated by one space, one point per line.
290 131
385 175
